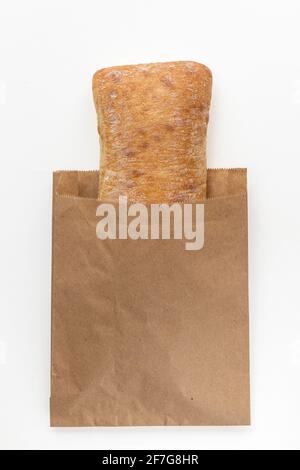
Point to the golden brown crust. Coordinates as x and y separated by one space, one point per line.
152 124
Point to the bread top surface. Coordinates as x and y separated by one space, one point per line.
152 121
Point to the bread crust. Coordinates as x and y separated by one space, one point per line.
152 122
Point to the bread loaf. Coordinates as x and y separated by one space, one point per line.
152 122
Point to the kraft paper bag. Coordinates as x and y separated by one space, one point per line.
145 332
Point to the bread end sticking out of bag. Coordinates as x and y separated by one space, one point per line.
152 122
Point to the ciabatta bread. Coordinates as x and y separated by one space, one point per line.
152 121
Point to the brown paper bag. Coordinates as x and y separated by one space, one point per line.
143 331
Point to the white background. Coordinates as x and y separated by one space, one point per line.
49 51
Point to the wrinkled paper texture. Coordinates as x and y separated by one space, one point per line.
143 331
